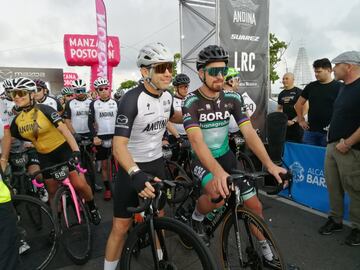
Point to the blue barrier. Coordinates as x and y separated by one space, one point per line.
306 163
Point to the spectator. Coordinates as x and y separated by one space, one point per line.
342 161
286 101
321 95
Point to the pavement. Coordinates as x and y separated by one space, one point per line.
294 226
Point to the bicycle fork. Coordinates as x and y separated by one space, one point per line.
67 183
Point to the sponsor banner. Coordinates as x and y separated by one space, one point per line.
306 163
95 75
102 38
81 50
244 32
69 77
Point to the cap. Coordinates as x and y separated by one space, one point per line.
350 57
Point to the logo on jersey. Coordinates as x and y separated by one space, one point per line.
121 119
205 117
55 116
82 113
156 127
106 114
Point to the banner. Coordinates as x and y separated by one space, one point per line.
69 77
306 163
102 38
244 32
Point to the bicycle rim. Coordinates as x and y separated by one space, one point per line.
175 256
251 227
37 232
75 236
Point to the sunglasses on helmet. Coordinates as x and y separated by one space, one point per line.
215 71
161 68
18 92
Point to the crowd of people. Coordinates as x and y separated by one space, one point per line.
131 127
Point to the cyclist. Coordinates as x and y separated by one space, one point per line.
68 94
42 97
43 126
140 124
101 121
206 113
9 250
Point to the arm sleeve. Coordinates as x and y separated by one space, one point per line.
91 119
127 112
238 110
67 112
190 113
51 114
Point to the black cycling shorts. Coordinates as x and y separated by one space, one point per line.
124 194
103 153
228 163
61 154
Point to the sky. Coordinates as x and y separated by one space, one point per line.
32 31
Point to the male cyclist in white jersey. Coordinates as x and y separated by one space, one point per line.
102 115
140 124
42 97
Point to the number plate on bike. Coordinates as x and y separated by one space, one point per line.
60 173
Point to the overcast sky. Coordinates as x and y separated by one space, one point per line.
32 31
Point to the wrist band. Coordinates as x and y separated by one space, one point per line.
132 169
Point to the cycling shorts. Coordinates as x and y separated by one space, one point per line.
228 163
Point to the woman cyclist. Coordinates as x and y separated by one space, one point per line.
53 141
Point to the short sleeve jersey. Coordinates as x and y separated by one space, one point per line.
142 117
48 138
52 102
102 115
288 98
177 107
321 99
78 112
213 117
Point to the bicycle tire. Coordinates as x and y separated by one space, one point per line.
174 228
245 162
249 241
75 237
42 241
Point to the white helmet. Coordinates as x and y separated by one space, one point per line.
100 82
154 53
7 84
79 83
22 83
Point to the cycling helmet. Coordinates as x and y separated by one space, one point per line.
22 83
181 79
40 83
154 53
7 84
100 82
67 91
79 83
210 54
232 72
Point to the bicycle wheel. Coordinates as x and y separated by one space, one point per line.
251 227
37 244
174 255
75 234
246 164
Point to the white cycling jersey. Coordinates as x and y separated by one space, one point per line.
102 115
78 112
142 117
177 107
52 102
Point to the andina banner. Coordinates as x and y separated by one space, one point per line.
244 32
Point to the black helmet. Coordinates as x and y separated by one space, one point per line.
210 54
181 79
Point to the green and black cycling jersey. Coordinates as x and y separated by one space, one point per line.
212 116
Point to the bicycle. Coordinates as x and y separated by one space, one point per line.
157 234
240 229
37 232
71 214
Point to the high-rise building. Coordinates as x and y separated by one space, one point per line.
302 69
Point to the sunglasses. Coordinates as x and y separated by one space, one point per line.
69 95
80 91
161 68
20 93
103 89
215 71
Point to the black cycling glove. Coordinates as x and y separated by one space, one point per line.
76 155
138 180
